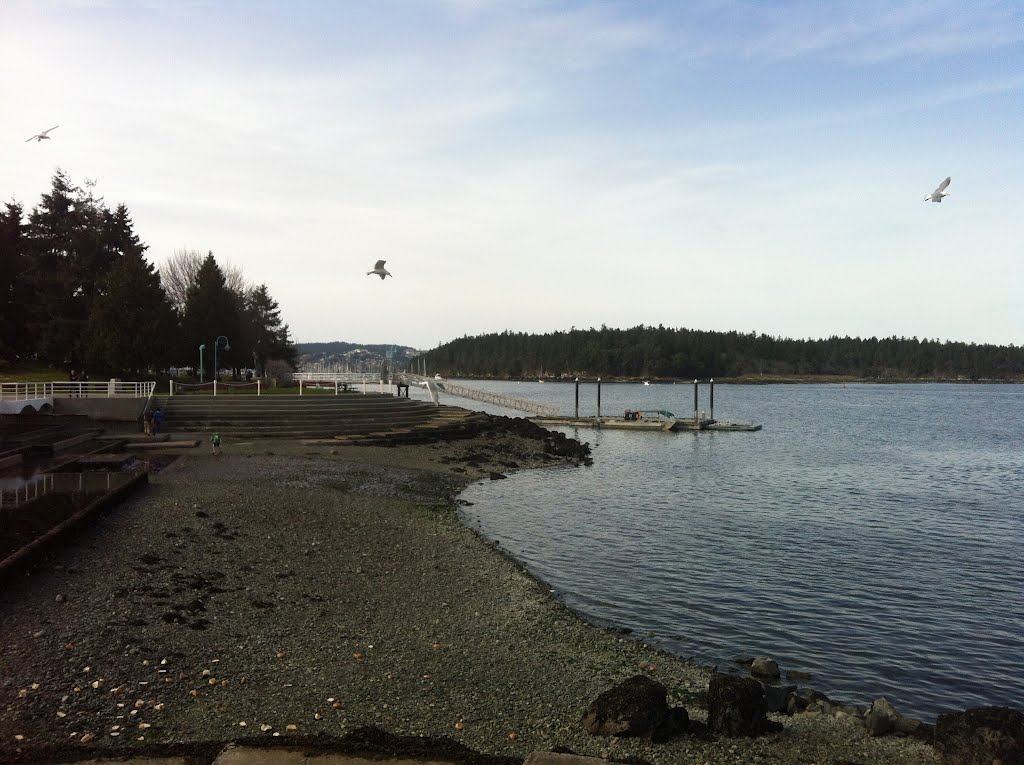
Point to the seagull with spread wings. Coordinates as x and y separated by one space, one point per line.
378 268
940 192
42 136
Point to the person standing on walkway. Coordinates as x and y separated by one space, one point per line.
215 443
158 419
147 423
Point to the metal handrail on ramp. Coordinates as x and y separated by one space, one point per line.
475 394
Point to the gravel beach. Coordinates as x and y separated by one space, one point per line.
331 588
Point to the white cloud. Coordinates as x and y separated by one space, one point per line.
506 162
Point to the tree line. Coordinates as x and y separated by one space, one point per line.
685 354
76 291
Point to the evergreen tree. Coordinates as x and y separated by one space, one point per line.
211 310
131 323
67 262
14 341
264 336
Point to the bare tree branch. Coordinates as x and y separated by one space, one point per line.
178 274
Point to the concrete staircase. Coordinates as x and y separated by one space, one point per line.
351 418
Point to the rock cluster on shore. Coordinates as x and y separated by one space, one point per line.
315 592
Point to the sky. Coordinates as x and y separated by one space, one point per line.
535 166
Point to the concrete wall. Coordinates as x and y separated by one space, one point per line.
109 409
26 406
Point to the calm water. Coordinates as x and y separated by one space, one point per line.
870 535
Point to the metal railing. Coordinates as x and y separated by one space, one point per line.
488 397
23 391
80 484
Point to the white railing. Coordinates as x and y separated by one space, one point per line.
341 377
23 391
21 492
488 397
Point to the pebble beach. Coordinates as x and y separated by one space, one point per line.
306 590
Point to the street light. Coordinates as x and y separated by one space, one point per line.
201 347
216 345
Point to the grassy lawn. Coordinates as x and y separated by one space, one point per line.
33 374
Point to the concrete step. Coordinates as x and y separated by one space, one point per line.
305 416
188 443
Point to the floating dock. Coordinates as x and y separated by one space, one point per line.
648 419
664 424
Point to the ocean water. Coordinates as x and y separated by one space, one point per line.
870 535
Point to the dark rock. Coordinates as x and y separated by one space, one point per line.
635 707
765 668
881 718
677 721
798 676
908 726
776 697
736 707
496 476
795 704
981 735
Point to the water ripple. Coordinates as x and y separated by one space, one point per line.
869 535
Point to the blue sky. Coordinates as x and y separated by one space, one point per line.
533 166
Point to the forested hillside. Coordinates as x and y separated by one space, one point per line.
661 352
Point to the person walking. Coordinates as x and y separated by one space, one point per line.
215 443
147 423
158 420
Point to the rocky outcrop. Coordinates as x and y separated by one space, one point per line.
881 718
776 697
635 707
736 707
765 668
981 736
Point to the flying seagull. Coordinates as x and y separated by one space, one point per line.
42 136
378 268
939 193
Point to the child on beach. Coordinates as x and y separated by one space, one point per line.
215 443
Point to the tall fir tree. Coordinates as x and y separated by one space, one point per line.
67 263
14 339
131 325
264 335
212 310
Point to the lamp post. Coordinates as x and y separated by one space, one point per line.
216 345
201 348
